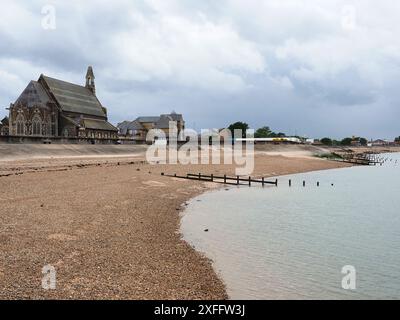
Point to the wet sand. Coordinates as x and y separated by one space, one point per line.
110 227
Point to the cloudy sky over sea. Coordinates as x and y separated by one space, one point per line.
311 67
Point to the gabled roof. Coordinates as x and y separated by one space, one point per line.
98 125
34 95
72 121
73 98
163 122
129 125
147 119
5 121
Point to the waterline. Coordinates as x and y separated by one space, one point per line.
292 243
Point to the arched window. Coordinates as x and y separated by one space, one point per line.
36 125
21 128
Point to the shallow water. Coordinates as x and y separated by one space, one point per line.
292 243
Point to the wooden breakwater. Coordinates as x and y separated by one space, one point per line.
236 181
364 159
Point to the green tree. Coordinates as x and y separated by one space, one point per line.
239 126
346 141
363 141
264 132
326 141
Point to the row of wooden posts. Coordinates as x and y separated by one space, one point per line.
229 180
224 179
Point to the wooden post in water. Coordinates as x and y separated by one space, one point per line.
290 182
263 181
237 180
276 182
225 178
249 181
318 184
212 177
304 183
199 176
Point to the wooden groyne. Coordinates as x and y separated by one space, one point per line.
363 159
236 181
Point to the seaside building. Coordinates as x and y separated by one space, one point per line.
280 140
4 127
136 130
379 143
51 108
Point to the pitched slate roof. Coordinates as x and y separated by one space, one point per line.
98 125
163 122
147 119
129 125
160 122
5 121
74 98
34 95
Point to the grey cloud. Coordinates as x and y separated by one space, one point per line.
290 66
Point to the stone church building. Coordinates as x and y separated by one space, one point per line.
52 108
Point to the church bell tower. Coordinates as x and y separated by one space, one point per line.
90 80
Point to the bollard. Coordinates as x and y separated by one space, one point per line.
290 183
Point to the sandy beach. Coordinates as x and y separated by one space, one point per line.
110 226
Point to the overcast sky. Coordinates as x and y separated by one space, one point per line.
311 67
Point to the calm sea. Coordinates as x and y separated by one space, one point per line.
292 243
